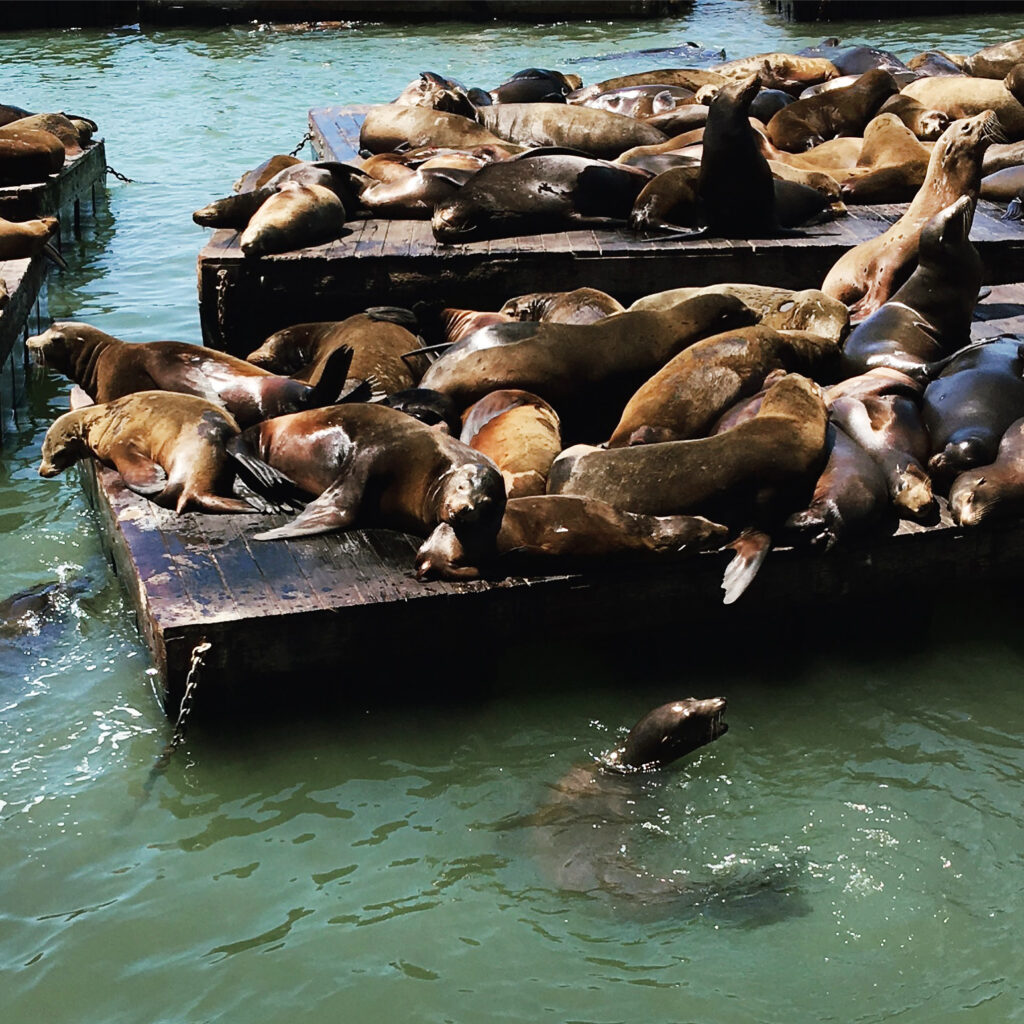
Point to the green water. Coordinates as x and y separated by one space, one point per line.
377 863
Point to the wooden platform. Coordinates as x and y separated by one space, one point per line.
23 280
397 262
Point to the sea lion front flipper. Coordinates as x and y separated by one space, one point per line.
139 472
335 509
751 547
280 491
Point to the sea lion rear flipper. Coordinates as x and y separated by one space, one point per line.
332 380
751 547
50 251
335 509
280 491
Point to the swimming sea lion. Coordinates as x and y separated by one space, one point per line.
519 433
579 306
390 126
370 465
865 276
964 97
995 61
295 217
929 317
107 368
167 447
25 612
561 532
993 490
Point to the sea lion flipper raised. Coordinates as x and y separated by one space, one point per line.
751 547
331 384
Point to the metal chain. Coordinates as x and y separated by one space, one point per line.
119 175
189 696
308 137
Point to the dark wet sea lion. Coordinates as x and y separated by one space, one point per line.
971 404
430 407
783 442
543 192
579 306
370 465
26 612
391 126
995 490
929 317
9 113
965 97
768 102
107 368
857 60
535 85
558 532
520 433
995 61
668 200
685 397
295 217
865 276
28 155
586 371
167 447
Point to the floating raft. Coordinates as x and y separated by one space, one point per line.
303 620
397 262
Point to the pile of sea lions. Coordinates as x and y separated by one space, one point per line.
739 148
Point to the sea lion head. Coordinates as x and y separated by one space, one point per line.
473 500
671 731
442 556
971 498
64 445
948 230
453 220
55 345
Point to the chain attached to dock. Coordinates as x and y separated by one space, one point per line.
308 137
187 698
119 175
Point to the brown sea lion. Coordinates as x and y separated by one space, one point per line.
1000 155
167 447
935 62
891 167
519 433
964 97
9 113
4 294
865 276
295 217
56 124
586 371
370 465
642 101
390 126
779 70
562 532
995 61
579 306
21 239
924 123
667 201
436 92
821 182
28 155
259 176
929 317
107 368
417 194
995 490
686 118
686 78
785 440
456 324
677 142
1004 185
685 397
378 339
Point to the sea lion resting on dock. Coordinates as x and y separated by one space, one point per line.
579 306
107 368
167 447
994 490
369 465
20 240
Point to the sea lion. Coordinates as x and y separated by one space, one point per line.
783 442
642 101
28 155
389 127
929 317
891 166
667 201
542 192
436 92
56 124
416 195
964 97
535 85
1003 186
107 368
971 404
1000 155
685 397
586 371
561 532
865 276
935 62
579 306
430 407
26 612
995 61
295 217
167 447
818 180
995 490
924 123
519 433
456 324
20 240
379 338
370 465
779 70
259 176
686 78
857 60
9 113
768 102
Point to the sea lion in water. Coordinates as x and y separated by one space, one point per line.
865 276
25 612
107 368
579 306
560 532
929 317
370 465
295 217
994 490
167 447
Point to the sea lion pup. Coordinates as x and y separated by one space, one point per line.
995 490
579 306
784 441
685 397
963 97
560 532
780 308
929 317
519 433
107 368
846 111
890 429
20 240
686 78
995 61
295 217
586 371
28 155
971 404
850 496
379 338
865 276
390 127
370 465
538 192
167 447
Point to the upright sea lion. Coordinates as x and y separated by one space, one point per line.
519 433
964 97
995 61
167 447
560 532
579 306
929 317
783 442
295 217
865 276
370 465
994 490
107 368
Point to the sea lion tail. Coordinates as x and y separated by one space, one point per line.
751 548
332 381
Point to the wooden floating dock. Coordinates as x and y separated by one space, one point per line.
299 621
397 262
23 280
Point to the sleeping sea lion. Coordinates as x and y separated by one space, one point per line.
686 78
436 92
390 126
20 240
995 490
995 61
259 176
295 217
579 306
28 155
642 101
965 97
535 85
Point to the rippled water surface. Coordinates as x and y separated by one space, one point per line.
852 846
